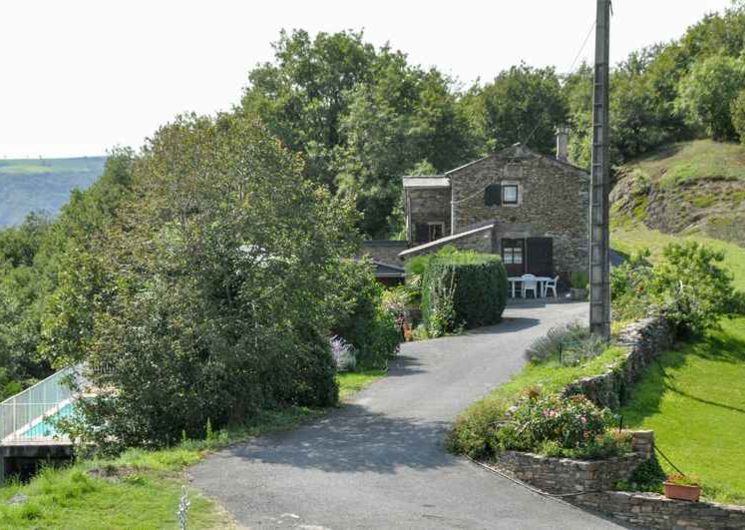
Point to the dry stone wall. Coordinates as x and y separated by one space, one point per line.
650 510
594 481
643 341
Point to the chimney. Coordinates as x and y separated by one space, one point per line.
562 143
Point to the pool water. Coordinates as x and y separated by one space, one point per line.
45 428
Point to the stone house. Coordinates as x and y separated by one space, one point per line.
531 209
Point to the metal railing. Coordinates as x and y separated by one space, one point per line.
29 415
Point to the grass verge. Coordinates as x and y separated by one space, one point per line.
352 382
694 400
141 489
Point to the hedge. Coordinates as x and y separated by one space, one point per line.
463 289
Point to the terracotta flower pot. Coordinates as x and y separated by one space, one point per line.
682 492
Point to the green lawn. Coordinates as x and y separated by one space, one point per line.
145 488
694 400
686 161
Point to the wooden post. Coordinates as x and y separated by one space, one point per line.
600 180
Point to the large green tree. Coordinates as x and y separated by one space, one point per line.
362 117
708 92
221 285
522 104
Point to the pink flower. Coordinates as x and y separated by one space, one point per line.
583 420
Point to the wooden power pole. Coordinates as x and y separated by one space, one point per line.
600 180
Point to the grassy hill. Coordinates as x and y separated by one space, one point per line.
686 188
28 185
693 397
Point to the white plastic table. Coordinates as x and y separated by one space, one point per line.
541 280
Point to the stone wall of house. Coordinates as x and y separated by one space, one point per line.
643 341
385 251
429 205
565 475
650 510
554 202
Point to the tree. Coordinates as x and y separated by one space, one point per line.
302 96
707 94
522 104
362 117
738 115
408 116
223 266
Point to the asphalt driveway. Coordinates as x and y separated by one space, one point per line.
379 462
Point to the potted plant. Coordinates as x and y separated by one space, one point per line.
682 487
578 285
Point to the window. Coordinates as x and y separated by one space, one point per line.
509 194
436 231
512 251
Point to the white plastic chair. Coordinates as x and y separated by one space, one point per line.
529 283
551 286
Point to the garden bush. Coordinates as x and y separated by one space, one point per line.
568 427
569 344
688 286
343 354
363 322
463 289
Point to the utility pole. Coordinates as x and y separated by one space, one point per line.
600 180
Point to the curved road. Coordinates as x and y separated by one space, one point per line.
379 462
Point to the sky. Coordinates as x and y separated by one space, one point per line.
78 77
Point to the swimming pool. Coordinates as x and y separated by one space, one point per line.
45 428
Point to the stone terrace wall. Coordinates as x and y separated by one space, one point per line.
650 510
565 475
643 340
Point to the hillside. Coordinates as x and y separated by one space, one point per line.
693 187
28 185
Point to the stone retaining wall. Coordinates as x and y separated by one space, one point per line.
650 510
643 340
565 475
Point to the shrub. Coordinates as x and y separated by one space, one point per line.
691 288
343 354
738 115
647 476
571 426
463 289
397 302
684 480
363 322
569 344
579 280
688 286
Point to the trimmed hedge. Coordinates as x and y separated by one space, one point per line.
463 289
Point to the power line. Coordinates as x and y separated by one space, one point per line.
582 48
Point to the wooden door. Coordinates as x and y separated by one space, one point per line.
540 256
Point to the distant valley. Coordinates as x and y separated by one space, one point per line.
28 185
